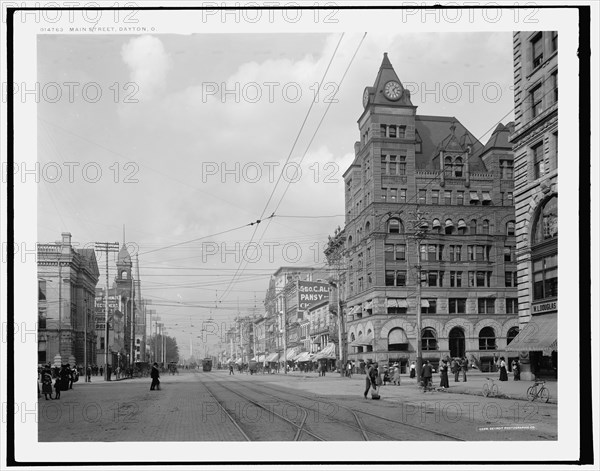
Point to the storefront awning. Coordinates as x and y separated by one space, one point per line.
238 361
362 340
424 303
540 334
292 353
272 357
304 356
461 223
473 195
449 223
485 196
395 302
327 353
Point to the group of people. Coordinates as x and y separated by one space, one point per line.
54 380
503 368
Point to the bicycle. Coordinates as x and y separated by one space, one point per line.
538 390
490 388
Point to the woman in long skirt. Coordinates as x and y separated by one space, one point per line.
503 373
47 384
444 374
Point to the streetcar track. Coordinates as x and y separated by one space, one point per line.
360 427
375 416
300 427
233 421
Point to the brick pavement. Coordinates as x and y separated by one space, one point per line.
128 411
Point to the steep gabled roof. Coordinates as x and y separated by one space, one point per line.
499 138
435 132
385 74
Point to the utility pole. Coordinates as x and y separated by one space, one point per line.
284 331
106 247
132 323
420 229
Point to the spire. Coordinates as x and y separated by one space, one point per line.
385 75
123 234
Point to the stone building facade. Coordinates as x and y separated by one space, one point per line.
67 278
535 146
427 175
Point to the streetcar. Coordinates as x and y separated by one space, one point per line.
207 364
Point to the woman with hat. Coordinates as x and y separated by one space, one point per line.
396 375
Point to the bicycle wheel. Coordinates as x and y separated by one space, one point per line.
494 390
544 395
531 393
486 390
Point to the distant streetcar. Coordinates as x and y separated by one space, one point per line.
207 364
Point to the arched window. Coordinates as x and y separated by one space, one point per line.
511 334
435 225
487 339
368 227
428 339
448 166
485 227
546 222
349 241
458 167
124 275
462 226
352 337
397 340
394 226
510 228
473 226
449 226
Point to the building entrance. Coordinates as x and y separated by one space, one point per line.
456 341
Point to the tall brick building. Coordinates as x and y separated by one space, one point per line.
428 173
535 145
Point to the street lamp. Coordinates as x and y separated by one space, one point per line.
420 229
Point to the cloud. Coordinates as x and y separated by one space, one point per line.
148 63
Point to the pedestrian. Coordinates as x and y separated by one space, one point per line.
102 371
427 374
88 374
57 388
47 383
455 368
371 379
503 373
386 375
413 369
349 370
464 365
396 375
444 374
155 374
231 369
108 372
516 370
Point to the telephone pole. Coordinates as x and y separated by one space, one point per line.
420 227
106 247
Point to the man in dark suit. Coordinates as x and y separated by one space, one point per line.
371 379
427 373
155 374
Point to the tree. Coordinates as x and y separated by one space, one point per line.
156 348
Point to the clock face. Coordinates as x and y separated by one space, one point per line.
392 90
366 97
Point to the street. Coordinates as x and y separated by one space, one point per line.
216 406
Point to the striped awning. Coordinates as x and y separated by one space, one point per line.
327 353
292 353
272 357
355 309
540 334
424 303
461 223
304 356
449 223
395 302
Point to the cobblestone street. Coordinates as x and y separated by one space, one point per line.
290 407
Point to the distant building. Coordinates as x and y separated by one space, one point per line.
67 279
428 175
535 145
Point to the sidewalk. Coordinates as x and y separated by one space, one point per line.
474 386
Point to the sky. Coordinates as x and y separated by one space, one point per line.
181 139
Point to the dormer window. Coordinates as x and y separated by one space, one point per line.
458 167
448 166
